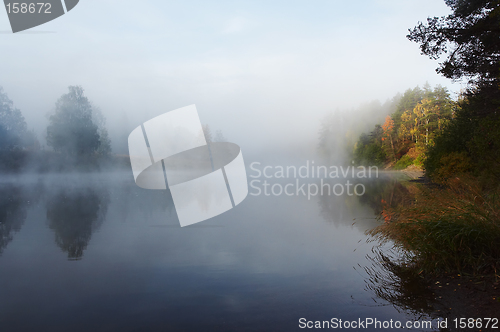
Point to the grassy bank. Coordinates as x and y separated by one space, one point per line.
449 228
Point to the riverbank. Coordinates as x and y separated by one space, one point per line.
449 227
451 233
412 172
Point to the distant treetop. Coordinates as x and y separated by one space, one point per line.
76 128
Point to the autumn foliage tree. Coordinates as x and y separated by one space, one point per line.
388 128
468 41
420 114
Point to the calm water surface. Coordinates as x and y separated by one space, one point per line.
97 253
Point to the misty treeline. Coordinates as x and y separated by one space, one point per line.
424 126
76 134
210 137
340 130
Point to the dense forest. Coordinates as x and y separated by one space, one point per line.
452 223
449 220
447 137
419 114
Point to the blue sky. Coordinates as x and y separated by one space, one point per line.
262 71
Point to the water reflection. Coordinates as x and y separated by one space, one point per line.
74 214
387 276
380 194
345 210
14 204
392 281
386 192
272 258
133 203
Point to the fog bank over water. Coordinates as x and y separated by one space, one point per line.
263 73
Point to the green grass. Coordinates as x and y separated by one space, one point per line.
404 162
456 228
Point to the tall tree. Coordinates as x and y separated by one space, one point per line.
410 98
406 127
99 120
368 150
13 129
423 111
388 128
71 129
208 133
470 38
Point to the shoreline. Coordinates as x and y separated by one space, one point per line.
454 294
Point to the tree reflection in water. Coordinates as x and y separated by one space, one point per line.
386 192
391 280
380 194
74 214
14 204
388 277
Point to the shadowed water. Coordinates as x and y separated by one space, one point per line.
98 253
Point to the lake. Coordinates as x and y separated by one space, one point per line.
95 252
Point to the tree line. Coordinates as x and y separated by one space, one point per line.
453 227
449 137
420 114
76 132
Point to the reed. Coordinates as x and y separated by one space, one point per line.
444 229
